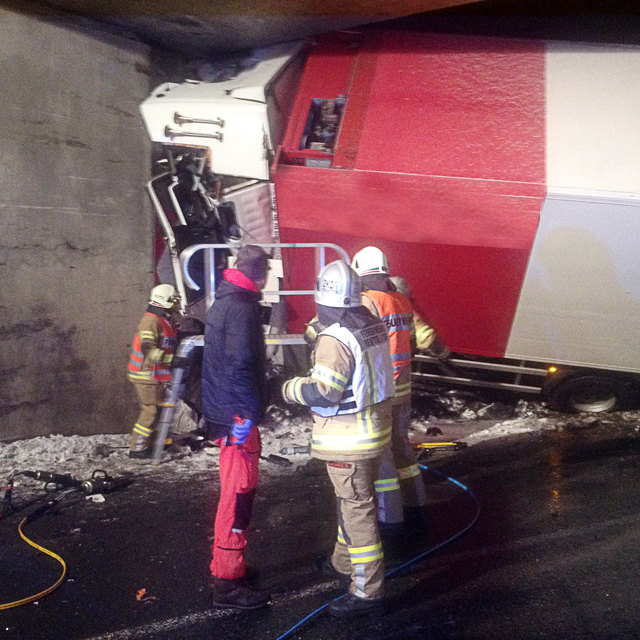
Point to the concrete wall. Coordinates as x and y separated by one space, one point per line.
75 226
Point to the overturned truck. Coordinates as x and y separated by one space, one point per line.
501 177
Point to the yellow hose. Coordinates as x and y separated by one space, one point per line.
434 445
37 596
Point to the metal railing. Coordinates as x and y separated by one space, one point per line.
209 264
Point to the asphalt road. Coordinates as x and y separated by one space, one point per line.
553 553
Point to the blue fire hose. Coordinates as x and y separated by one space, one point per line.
417 558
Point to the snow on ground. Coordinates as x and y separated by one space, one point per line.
437 416
81 456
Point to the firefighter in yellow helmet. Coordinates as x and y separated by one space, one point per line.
399 487
150 365
349 391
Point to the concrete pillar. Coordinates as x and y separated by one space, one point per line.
76 259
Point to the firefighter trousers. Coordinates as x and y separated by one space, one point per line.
358 549
399 483
150 396
238 482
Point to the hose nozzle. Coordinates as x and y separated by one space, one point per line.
61 479
104 484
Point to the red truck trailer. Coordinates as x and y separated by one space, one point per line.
501 177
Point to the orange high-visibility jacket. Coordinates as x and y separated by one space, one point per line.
158 332
397 313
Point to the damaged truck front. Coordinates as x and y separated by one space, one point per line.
213 192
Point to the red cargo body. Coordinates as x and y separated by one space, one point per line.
439 161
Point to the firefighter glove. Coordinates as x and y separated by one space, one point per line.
239 430
311 332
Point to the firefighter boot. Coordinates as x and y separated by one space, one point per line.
326 566
237 594
139 446
350 605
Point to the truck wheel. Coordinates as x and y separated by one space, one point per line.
589 394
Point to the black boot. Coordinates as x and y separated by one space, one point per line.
144 454
351 605
326 566
237 594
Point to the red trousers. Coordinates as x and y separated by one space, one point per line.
238 482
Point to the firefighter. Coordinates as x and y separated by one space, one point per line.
150 365
424 336
349 391
234 396
399 487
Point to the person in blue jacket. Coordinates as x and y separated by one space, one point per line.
234 397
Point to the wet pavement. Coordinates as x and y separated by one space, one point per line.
553 553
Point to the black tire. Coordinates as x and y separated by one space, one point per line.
590 394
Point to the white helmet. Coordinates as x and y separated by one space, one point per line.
338 286
163 295
370 260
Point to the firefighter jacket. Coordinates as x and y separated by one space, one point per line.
152 349
349 391
234 362
395 310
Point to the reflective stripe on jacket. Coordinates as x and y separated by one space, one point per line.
358 432
365 434
158 332
349 390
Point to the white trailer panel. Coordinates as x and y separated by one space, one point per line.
580 302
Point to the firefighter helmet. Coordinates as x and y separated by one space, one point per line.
163 295
370 260
338 286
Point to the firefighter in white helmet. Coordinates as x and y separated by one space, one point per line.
399 486
150 365
349 391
